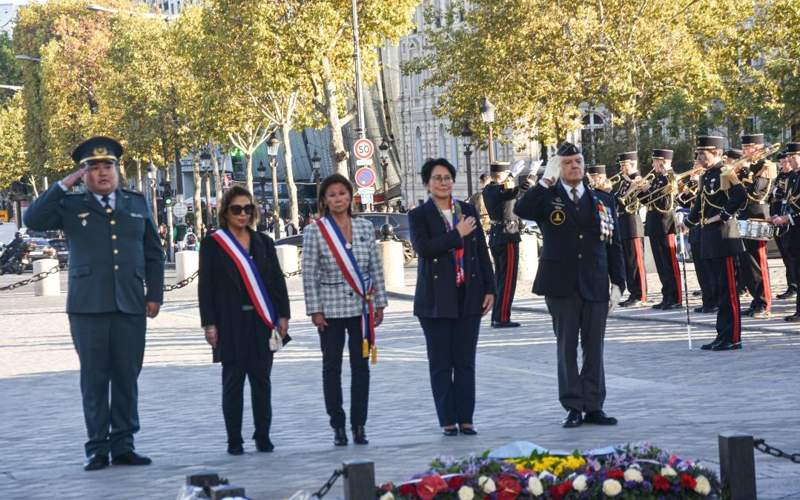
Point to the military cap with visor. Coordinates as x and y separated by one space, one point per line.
97 149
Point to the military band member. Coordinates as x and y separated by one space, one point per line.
116 275
499 197
659 226
780 191
477 201
757 179
598 178
790 220
581 254
719 198
631 229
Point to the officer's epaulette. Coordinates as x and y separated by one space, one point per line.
132 191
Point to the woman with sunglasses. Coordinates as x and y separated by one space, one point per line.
455 287
344 292
243 298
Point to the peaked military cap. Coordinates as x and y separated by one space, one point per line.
628 156
710 142
752 139
97 148
663 154
792 148
596 169
733 154
781 156
499 166
568 149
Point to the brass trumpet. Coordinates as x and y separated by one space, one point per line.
637 186
673 187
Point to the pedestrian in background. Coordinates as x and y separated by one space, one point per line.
243 298
344 293
455 287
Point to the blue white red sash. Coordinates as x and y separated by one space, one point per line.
249 273
363 287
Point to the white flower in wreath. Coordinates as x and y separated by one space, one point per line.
547 476
579 483
612 487
466 493
702 485
668 471
487 484
387 496
535 486
634 475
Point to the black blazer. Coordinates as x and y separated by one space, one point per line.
222 294
573 256
436 294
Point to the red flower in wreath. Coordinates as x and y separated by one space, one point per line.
688 482
455 482
660 483
616 474
508 488
559 491
408 490
430 486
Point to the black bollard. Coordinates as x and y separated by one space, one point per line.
737 468
359 480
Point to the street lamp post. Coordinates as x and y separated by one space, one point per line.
151 176
384 148
272 150
315 164
205 169
487 117
262 180
466 133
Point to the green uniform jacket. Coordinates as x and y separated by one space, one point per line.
111 256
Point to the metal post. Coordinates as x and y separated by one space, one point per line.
153 199
209 213
359 480
359 90
491 144
276 207
385 168
737 466
468 157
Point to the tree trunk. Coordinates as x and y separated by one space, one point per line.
331 100
139 175
197 200
248 169
216 173
291 188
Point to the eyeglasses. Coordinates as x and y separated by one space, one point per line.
238 209
444 179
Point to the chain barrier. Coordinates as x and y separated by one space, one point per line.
328 484
293 273
763 447
33 279
182 283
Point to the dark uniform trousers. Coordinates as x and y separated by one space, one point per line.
755 273
728 325
635 273
506 265
782 242
666 261
702 267
332 341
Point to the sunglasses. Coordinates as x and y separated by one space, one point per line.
238 209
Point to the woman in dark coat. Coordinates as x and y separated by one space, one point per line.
233 327
455 287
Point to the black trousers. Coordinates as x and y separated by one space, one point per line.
636 275
706 279
257 370
789 262
110 347
575 318
452 345
755 273
506 265
666 260
332 344
729 316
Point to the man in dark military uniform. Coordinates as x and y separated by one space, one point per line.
631 229
659 226
116 275
789 221
778 205
581 275
719 198
757 178
598 178
499 197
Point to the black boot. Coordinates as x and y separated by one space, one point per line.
339 437
360 435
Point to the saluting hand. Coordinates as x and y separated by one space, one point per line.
488 302
211 335
74 178
549 181
466 225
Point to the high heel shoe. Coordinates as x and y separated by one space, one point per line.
450 431
339 437
360 435
467 431
235 449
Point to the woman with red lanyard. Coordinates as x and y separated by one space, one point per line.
344 292
455 287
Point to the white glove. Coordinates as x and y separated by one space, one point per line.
616 294
553 169
275 341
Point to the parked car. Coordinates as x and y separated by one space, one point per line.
40 248
62 251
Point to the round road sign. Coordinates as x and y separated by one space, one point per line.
365 177
179 210
363 149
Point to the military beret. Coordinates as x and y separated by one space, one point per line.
568 149
733 154
792 148
628 156
663 154
499 166
752 139
97 148
710 142
596 169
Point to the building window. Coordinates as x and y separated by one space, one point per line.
592 135
442 142
418 155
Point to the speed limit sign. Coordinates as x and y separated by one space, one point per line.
363 149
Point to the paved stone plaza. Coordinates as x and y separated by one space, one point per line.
660 391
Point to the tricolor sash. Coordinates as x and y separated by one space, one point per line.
363 287
249 273
458 253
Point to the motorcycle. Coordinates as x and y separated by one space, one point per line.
15 259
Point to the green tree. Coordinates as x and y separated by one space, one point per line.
10 71
13 160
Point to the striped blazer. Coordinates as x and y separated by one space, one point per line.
324 286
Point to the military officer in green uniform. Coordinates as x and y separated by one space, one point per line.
116 275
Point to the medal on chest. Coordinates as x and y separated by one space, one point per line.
82 216
557 217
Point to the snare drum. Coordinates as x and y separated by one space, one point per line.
756 229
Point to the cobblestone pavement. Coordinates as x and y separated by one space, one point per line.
659 389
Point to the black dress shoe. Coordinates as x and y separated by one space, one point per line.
96 462
505 324
660 305
264 445
573 419
671 305
131 458
235 449
697 293
467 431
630 302
699 309
710 345
360 435
599 417
794 318
450 431
759 314
727 345
788 294
339 437
711 310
